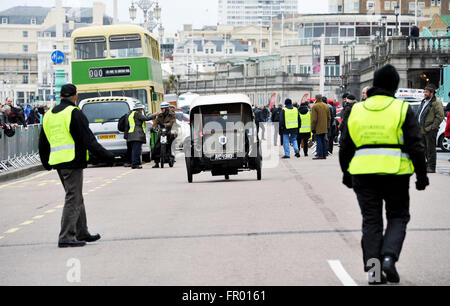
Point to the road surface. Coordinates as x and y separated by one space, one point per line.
298 226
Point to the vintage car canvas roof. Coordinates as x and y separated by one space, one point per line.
220 99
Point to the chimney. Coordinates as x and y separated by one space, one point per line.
98 11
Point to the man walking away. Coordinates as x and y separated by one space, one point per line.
135 134
381 148
305 130
332 128
63 145
430 116
290 123
259 120
320 123
276 114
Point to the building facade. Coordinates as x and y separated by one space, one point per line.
426 8
260 12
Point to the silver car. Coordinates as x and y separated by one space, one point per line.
103 114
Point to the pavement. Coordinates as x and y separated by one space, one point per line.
298 226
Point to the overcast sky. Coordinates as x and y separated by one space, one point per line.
175 13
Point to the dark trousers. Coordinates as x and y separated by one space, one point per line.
157 149
371 191
430 149
136 152
321 141
304 137
73 221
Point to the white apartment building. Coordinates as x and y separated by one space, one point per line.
260 12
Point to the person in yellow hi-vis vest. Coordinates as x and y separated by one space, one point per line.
305 130
135 134
290 123
64 144
381 148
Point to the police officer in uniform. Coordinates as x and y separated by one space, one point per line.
64 144
381 148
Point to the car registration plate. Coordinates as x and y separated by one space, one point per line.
225 156
107 137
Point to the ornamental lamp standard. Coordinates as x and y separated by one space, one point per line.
151 10
383 23
396 12
161 33
133 12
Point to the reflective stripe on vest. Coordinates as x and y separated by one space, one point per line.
378 123
57 130
132 123
291 118
306 123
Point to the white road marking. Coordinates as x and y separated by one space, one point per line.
340 272
27 222
13 230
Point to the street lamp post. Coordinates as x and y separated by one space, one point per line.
383 23
397 12
151 10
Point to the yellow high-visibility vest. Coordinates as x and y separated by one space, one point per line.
57 129
291 118
375 127
306 123
132 123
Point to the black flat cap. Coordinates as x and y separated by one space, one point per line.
68 90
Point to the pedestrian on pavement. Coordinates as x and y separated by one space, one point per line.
380 150
276 114
135 134
15 115
305 130
351 100
332 128
364 93
430 116
64 144
165 119
320 123
290 123
259 121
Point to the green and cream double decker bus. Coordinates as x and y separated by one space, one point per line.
115 61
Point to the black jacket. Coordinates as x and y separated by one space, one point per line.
17 116
413 145
139 134
276 113
83 137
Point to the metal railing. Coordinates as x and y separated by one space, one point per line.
21 150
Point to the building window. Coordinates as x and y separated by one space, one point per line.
33 21
207 51
387 5
25 64
25 34
263 44
370 5
25 79
25 48
4 20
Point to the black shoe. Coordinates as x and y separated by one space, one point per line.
388 267
373 281
297 155
156 166
285 157
91 238
136 167
127 165
73 244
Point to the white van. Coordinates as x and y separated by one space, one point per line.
103 114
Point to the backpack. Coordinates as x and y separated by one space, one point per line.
123 123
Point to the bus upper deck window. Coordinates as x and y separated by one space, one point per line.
125 46
90 48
